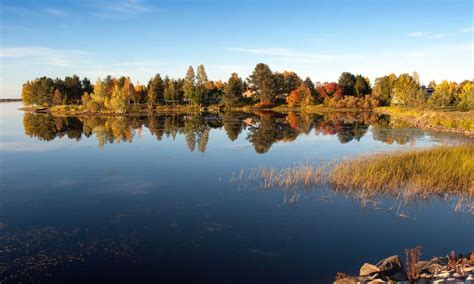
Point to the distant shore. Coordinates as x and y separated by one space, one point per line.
9 100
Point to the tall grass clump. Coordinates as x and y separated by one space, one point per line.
437 170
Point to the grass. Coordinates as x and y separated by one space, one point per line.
441 171
434 170
438 118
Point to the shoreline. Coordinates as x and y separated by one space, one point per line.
453 268
443 120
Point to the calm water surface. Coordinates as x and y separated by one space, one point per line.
149 199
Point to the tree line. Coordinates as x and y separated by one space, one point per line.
263 88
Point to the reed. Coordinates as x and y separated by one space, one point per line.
436 170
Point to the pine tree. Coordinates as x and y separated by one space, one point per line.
262 81
233 91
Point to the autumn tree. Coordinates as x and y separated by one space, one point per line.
261 80
233 91
407 91
286 82
57 97
444 94
202 84
299 96
189 86
383 89
329 90
27 94
465 96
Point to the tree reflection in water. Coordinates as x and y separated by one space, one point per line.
263 128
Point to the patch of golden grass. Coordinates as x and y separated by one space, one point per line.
437 170
447 118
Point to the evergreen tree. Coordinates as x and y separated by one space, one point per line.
155 90
262 81
361 86
233 91
170 92
347 82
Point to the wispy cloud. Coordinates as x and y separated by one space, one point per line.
293 54
440 35
45 55
121 8
417 34
55 12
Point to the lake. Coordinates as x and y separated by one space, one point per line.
151 199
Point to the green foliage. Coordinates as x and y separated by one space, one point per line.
407 91
362 86
170 92
156 88
286 82
347 82
233 91
314 94
262 81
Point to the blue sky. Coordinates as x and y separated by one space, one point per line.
320 39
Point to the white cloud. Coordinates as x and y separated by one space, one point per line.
55 12
121 9
417 34
46 55
440 35
294 55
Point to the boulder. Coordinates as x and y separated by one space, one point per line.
368 269
398 277
390 265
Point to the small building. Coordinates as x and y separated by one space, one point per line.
428 91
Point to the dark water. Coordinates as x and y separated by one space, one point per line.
148 199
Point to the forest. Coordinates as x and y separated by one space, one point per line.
263 89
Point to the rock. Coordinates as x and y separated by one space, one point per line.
398 277
390 265
443 274
376 281
368 269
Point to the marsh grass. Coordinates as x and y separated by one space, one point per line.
437 170
441 172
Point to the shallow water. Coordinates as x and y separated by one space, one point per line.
149 199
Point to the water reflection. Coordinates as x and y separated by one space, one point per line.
264 128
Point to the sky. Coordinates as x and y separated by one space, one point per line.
319 39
